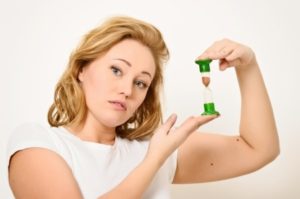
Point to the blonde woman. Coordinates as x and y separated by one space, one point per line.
106 137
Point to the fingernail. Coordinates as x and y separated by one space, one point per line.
214 116
173 116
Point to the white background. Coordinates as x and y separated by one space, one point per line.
37 37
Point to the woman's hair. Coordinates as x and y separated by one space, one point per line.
69 106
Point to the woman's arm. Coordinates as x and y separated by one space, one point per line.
41 173
209 157
163 143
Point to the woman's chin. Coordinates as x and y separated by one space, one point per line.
113 123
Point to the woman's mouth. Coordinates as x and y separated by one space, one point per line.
119 105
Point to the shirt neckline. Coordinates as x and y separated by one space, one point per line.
89 143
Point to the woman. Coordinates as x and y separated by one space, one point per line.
107 139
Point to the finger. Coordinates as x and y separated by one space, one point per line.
218 50
234 63
188 127
232 58
235 54
210 55
224 64
226 50
169 123
214 55
193 123
209 52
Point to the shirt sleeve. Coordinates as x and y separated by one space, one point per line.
28 136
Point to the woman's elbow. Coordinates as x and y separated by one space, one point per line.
272 153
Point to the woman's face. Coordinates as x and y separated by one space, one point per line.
116 84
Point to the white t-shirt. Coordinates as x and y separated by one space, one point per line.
96 167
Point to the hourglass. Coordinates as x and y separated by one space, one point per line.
209 106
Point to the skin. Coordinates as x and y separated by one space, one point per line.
209 157
201 157
121 75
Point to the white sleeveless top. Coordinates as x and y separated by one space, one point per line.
96 167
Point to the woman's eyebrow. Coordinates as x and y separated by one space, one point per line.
147 73
129 64
124 60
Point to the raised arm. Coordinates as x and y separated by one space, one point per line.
41 173
208 157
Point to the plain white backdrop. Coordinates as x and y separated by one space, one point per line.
37 36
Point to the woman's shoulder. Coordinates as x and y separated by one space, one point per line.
29 131
28 135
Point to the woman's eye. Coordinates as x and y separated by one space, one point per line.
141 84
116 70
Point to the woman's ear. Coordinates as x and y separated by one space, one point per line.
81 74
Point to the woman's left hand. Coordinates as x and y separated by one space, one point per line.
229 53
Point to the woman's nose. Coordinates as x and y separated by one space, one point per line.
125 87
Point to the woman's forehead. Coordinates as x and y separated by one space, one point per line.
133 53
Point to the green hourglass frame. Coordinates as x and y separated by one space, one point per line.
209 106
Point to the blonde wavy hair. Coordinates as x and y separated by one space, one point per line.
69 106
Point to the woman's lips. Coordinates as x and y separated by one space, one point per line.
119 105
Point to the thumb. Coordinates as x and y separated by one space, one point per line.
224 63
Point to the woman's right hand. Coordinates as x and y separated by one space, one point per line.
167 139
